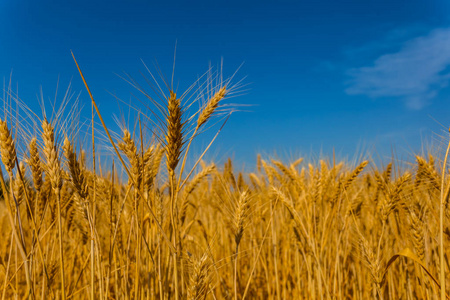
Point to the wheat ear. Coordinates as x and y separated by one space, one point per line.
372 262
129 148
199 279
8 150
51 154
203 117
211 106
76 171
174 133
290 173
34 162
417 234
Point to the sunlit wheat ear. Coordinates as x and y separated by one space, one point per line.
417 234
426 173
152 167
35 164
346 181
269 170
393 197
128 147
34 161
241 214
256 182
286 171
148 155
174 133
8 149
371 261
387 173
211 106
76 171
258 163
192 185
354 174
147 162
199 278
51 154
381 184
18 185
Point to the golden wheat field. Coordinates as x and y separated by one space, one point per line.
153 225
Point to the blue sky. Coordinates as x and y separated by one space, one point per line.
323 74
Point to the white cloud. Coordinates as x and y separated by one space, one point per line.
415 73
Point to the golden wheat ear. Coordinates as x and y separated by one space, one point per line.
211 106
8 150
34 161
128 147
77 173
199 277
174 132
53 166
371 261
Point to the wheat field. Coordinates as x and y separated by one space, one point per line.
155 224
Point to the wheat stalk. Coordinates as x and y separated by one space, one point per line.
53 168
240 216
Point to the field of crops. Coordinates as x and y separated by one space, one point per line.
150 227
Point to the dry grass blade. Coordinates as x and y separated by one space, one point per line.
409 254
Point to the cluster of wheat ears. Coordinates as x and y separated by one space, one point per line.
159 230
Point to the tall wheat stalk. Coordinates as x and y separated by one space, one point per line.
173 147
54 173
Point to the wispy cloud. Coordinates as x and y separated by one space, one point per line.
415 73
